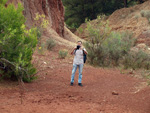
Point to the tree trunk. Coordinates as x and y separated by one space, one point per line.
125 3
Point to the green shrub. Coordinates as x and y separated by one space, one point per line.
117 45
41 23
50 44
41 48
80 30
97 35
146 13
17 44
63 53
106 48
39 34
137 17
136 60
3 2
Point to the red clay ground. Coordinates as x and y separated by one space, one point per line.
51 93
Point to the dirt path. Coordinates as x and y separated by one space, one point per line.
51 93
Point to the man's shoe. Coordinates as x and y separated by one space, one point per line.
71 84
80 84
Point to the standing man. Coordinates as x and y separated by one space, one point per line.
78 61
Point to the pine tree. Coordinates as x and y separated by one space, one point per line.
76 11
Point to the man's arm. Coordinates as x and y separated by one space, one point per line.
85 52
73 51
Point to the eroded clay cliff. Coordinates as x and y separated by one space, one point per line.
53 9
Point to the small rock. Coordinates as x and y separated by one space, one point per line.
141 46
50 67
70 96
115 93
131 71
44 62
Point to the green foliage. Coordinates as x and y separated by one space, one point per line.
80 30
16 43
76 11
106 48
146 13
39 34
136 60
117 45
29 80
50 44
137 17
63 53
41 48
3 2
41 23
95 40
132 3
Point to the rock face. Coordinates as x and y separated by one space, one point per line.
53 9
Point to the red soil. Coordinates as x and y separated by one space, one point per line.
51 92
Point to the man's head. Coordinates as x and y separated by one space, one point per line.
79 44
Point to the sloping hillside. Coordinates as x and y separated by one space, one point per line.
128 19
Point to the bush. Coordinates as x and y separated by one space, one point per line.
41 48
50 44
80 30
97 35
39 34
106 48
16 43
146 13
41 23
116 46
136 60
63 53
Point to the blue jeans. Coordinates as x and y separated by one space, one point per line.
74 71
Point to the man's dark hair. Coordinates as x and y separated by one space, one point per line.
80 41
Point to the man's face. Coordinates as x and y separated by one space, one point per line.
79 44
